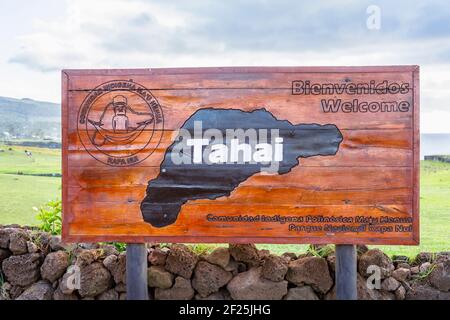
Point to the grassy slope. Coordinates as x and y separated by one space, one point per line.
43 160
19 193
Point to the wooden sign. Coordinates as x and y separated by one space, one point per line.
258 154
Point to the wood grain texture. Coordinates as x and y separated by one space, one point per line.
374 174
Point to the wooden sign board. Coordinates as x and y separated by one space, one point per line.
258 154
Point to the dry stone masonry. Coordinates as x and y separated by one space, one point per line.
37 266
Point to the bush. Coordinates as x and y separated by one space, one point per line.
50 217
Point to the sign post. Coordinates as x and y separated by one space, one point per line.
252 154
346 269
137 288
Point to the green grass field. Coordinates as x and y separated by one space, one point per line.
19 193
42 160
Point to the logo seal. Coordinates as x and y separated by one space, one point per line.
120 123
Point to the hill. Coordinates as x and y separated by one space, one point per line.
27 118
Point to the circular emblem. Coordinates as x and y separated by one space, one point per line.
120 123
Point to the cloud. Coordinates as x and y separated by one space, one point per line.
159 33
106 31
45 52
435 122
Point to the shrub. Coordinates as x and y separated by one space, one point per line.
49 216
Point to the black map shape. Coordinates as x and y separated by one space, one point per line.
177 184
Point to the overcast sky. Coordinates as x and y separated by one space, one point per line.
40 37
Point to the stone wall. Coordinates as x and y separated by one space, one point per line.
36 265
